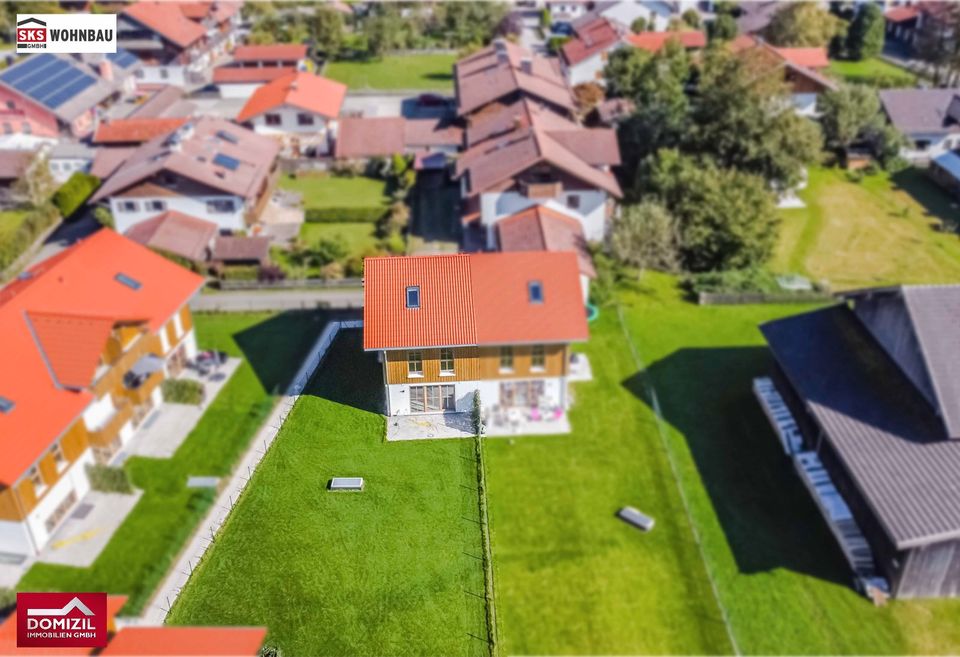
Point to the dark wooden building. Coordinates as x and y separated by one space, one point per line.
874 384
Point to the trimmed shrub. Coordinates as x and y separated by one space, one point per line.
182 391
359 215
107 479
75 192
35 222
104 217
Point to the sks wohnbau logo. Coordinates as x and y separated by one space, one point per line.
67 33
62 620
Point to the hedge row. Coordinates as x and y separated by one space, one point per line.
33 225
107 479
75 192
371 214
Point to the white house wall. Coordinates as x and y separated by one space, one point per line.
398 395
939 144
73 478
15 538
289 126
191 205
627 12
588 70
175 75
236 90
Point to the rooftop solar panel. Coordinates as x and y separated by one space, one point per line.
63 95
49 80
226 161
20 71
122 58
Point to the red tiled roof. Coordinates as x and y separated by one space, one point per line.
592 37
172 641
654 41
236 74
808 57
80 282
123 131
472 299
304 91
170 23
382 136
71 344
176 233
901 14
540 228
287 52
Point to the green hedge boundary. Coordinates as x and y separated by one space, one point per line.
74 193
359 215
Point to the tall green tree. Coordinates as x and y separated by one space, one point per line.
865 36
326 29
850 113
646 237
803 24
464 23
726 219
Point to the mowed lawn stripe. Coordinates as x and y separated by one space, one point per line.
394 570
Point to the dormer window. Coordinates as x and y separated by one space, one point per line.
535 291
413 297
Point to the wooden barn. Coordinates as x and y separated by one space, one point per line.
873 387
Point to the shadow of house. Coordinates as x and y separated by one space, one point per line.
766 514
349 375
937 204
272 345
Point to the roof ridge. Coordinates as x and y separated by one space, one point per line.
925 355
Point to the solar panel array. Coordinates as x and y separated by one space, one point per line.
48 80
122 58
226 161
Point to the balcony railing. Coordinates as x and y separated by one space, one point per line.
141 392
108 432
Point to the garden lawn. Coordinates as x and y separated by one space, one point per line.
780 575
392 570
357 237
415 72
885 229
872 71
326 191
10 221
139 554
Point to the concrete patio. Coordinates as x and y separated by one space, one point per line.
162 433
89 527
429 425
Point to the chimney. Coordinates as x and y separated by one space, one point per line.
106 70
526 65
500 46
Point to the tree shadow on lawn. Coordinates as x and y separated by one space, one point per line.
936 202
766 514
276 347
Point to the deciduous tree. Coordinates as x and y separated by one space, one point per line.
803 24
865 37
645 236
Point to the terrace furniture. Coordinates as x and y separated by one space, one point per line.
346 484
633 517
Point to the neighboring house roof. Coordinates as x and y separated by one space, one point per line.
594 36
286 52
52 319
755 16
14 162
304 91
168 20
472 299
499 159
503 69
815 58
176 233
654 41
382 136
209 151
169 641
612 110
135 131
64 86
107 160
884 432
227 248
165 102
497 119
68 149
919 111
902 14
766 60
540 228
241 75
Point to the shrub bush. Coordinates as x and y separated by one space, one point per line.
182 391
371 214
240 272
74 193
36 221
107 479
734 281
104 217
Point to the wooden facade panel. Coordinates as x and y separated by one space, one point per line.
465 366
186 318
48 469
172 338
9 509
555 362
75 441
27 495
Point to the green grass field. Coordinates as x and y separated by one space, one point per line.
872 71
427 72
357 237
325 191
10 221
139 554
394 570
884 229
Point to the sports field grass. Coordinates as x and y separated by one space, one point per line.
882 230
138 555
428 72
394 570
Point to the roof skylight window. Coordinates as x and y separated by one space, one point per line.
413 297
6 405
130 282
535 291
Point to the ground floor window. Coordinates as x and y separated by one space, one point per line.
432 399
521 393
54 518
